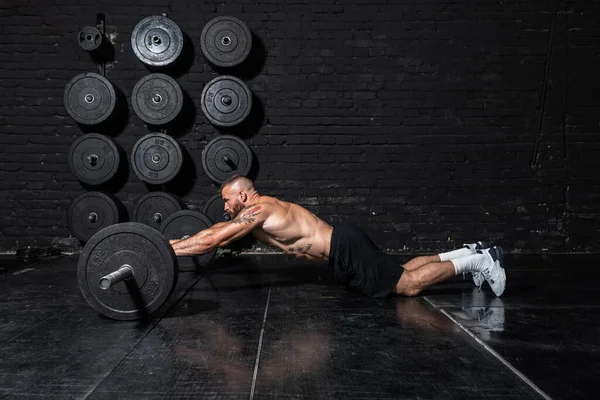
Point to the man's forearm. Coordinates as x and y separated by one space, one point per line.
204 232
198 244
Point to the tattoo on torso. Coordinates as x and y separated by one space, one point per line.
302 250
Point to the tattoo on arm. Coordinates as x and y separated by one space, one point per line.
247 215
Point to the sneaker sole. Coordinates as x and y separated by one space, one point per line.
504 277
499 253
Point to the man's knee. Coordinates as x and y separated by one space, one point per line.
407 286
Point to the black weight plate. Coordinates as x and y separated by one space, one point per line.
157 99
188 223
225 41
89 98
214 209
153 208
89 38
157 41
226 101
225 156
94 159
89 213
150 256
156 158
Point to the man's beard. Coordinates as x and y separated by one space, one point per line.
236 210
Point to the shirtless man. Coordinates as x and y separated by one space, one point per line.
356 260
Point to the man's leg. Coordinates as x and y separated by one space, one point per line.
466 250
412 282
419 262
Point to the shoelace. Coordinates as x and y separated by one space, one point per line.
474 273
480 282
487 274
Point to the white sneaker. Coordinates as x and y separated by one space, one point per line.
478 279
494 272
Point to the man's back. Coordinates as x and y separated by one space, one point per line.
293 229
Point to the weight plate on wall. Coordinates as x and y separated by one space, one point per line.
226 101
90 212
157 99
225 156
153 208
156 158
214 209
226 41
94 159
157 41
89 38
89 98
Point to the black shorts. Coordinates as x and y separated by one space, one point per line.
358 263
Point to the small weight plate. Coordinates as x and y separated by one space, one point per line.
225 156
157 99
226 101
89 98
89 38
188 223
153 208
226 41
157 41
91 212
156 158
151 258
94 159
214 209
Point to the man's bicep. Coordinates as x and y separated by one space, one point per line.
233 232
246 221
253 215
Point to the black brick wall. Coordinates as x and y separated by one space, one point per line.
428 123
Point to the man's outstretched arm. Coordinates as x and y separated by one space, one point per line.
222 234
215 226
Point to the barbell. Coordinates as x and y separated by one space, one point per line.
129 270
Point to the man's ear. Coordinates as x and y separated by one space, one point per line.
243 197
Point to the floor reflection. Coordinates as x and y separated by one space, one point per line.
290 355
480 311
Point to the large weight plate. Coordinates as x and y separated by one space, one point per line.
157 41
94 159
89 213
157 99
188 223
214 209
156 158
89 38
225 156
150 256
225 41
226 101
153 208
89 98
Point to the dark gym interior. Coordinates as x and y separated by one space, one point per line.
428 124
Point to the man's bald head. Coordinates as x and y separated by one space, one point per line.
237 192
